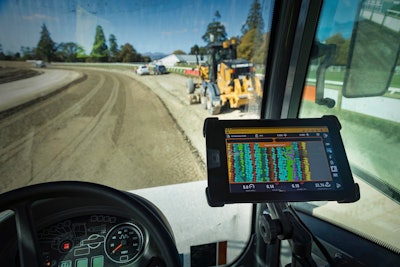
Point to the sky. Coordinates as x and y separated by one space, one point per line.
149 25
337 16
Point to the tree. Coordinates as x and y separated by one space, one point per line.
114 51
128 53
203 50
245 49
145 58
46 47
253 42
342 48
100 50
2 55
68 52
199 50
194 50
215 30
254 53
27 52
179 52
254 19
81 55
261 52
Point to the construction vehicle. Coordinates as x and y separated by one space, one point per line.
224 80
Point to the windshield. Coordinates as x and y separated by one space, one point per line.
82 98
79 99
370 125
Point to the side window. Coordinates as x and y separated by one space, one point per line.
346 79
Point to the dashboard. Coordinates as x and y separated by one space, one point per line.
95 240
80 224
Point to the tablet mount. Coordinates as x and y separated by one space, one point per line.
241 154
279 222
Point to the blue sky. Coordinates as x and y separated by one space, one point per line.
337 16
150 25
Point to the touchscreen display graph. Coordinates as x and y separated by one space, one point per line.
278 157
276 162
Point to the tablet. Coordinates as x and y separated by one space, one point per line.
252 161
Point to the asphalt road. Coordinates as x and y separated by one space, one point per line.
107 128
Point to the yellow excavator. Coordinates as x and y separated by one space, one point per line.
224 80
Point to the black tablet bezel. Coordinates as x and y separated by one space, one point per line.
218 192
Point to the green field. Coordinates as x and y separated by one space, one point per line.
371 143
339 77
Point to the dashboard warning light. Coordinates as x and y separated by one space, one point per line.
66 245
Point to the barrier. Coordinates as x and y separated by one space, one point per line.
192 72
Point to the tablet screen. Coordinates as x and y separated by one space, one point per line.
265 159
251 161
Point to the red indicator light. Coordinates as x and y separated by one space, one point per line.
66 246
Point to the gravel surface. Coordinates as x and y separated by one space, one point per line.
108 128
172 89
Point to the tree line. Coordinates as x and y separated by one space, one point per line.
252 45
102 51
253 42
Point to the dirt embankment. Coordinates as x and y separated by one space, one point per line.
13 71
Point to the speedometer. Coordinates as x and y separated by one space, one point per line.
124 242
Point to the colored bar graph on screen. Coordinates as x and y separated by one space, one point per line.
268 162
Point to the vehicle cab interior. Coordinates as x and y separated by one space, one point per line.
116 168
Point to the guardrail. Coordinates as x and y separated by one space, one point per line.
191 72
179 70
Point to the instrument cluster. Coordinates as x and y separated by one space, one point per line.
95 240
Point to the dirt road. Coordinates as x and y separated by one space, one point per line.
108 128
172 89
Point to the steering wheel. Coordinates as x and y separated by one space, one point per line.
20 202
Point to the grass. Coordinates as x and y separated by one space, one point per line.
371 143
395 80
329 75
338 76
389 129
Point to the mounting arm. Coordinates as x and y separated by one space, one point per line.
280 223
